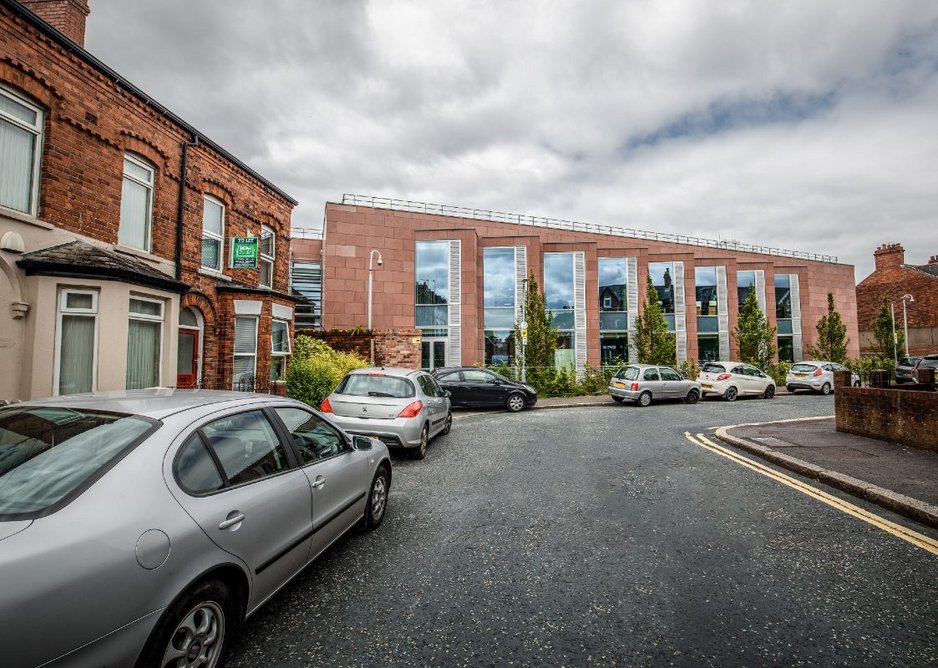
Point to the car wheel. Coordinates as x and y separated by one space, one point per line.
377 499
692 397
421 450
769 392
616 399
790 389
515 403
644 399
448 425
730 394
826 388
195 631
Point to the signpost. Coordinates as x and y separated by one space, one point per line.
244 252
523 331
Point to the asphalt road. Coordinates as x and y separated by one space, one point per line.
603 536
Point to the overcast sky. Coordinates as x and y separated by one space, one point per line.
800 124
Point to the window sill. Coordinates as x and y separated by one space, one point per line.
26 218
137 252
213 274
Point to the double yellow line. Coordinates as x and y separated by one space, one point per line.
917 539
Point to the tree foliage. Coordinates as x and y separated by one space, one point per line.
655 344
831 336
316 368
542 336
754 337
889 339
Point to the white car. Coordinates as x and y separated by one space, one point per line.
734 379
817 376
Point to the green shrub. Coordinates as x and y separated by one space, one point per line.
689 369
316 369
779 372
864 365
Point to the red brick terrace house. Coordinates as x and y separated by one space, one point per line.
893 278
112 274
458 276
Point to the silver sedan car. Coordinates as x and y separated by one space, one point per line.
643 382
403 408
139 528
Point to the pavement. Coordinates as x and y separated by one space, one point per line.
900 478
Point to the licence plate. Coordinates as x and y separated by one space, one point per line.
619 384
800 375
706 385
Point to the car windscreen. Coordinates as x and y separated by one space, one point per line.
713 368
368 385
628 373
803 368
48 453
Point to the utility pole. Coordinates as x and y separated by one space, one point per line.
371 272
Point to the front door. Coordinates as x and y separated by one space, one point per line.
187 360
432 354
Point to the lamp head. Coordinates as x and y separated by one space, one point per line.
908 297
380 261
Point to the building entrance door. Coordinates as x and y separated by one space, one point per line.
432 354
187 360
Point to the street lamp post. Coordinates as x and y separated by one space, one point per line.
371 280
523 326
905 320
895 339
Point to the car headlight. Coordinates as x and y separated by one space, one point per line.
530 389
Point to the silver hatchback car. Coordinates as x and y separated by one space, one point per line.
139 528
403 408
817 376
643 382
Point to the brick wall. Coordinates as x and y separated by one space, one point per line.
398 348
900 416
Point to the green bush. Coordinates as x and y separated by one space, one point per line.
316 369
864 365
689 369
779 372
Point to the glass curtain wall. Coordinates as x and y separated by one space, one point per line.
662 276
786 340
499 290
708 325
431 277
613 311
745 284
306 280
558 293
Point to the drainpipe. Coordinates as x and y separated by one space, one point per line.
181 203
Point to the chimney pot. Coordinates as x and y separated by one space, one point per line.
933 259
889 255
66 16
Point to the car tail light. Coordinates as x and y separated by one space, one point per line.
325 406
375 373
412 410
818 372
635 387
724 376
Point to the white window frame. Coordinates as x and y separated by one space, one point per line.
151 318
206 233
64 310
150 186
37 130
264 258
279 353
235 355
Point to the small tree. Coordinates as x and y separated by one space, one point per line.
756 340
542 336
655 344
888 338
831 336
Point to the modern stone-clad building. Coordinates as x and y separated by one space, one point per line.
458 275
117 222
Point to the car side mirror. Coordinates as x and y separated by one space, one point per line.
447 393
361 443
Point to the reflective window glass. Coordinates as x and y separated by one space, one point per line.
247 446
783 295
195 468
431 272
662 276
613 279
313 438
705 280
745 284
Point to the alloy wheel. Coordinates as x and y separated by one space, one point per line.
198 638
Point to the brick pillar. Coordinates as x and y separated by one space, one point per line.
66 16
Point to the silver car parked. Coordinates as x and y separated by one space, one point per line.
140 528
403 408
643 382
817 376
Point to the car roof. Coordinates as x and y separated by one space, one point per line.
726 362
156 403
397 372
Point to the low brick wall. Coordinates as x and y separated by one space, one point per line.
398 348
901 416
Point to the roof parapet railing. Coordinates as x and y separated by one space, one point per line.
305 233
376 202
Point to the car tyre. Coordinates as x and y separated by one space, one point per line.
616 399
790 389
769 392
421 450
730 394
515 402
644 399
826 389
692 397
377 499
202 621
448 425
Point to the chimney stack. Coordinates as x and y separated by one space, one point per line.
66 16
889 255
933 259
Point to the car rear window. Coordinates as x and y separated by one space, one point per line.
928 362
803 368
47 454
368 385
628 373
714 368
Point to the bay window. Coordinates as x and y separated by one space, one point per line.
144 343
76 341
279 349
245 353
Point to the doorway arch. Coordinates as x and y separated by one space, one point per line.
189 348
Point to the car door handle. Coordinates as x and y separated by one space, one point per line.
232 520
319 482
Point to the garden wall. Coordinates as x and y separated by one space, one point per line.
397 348
901 416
